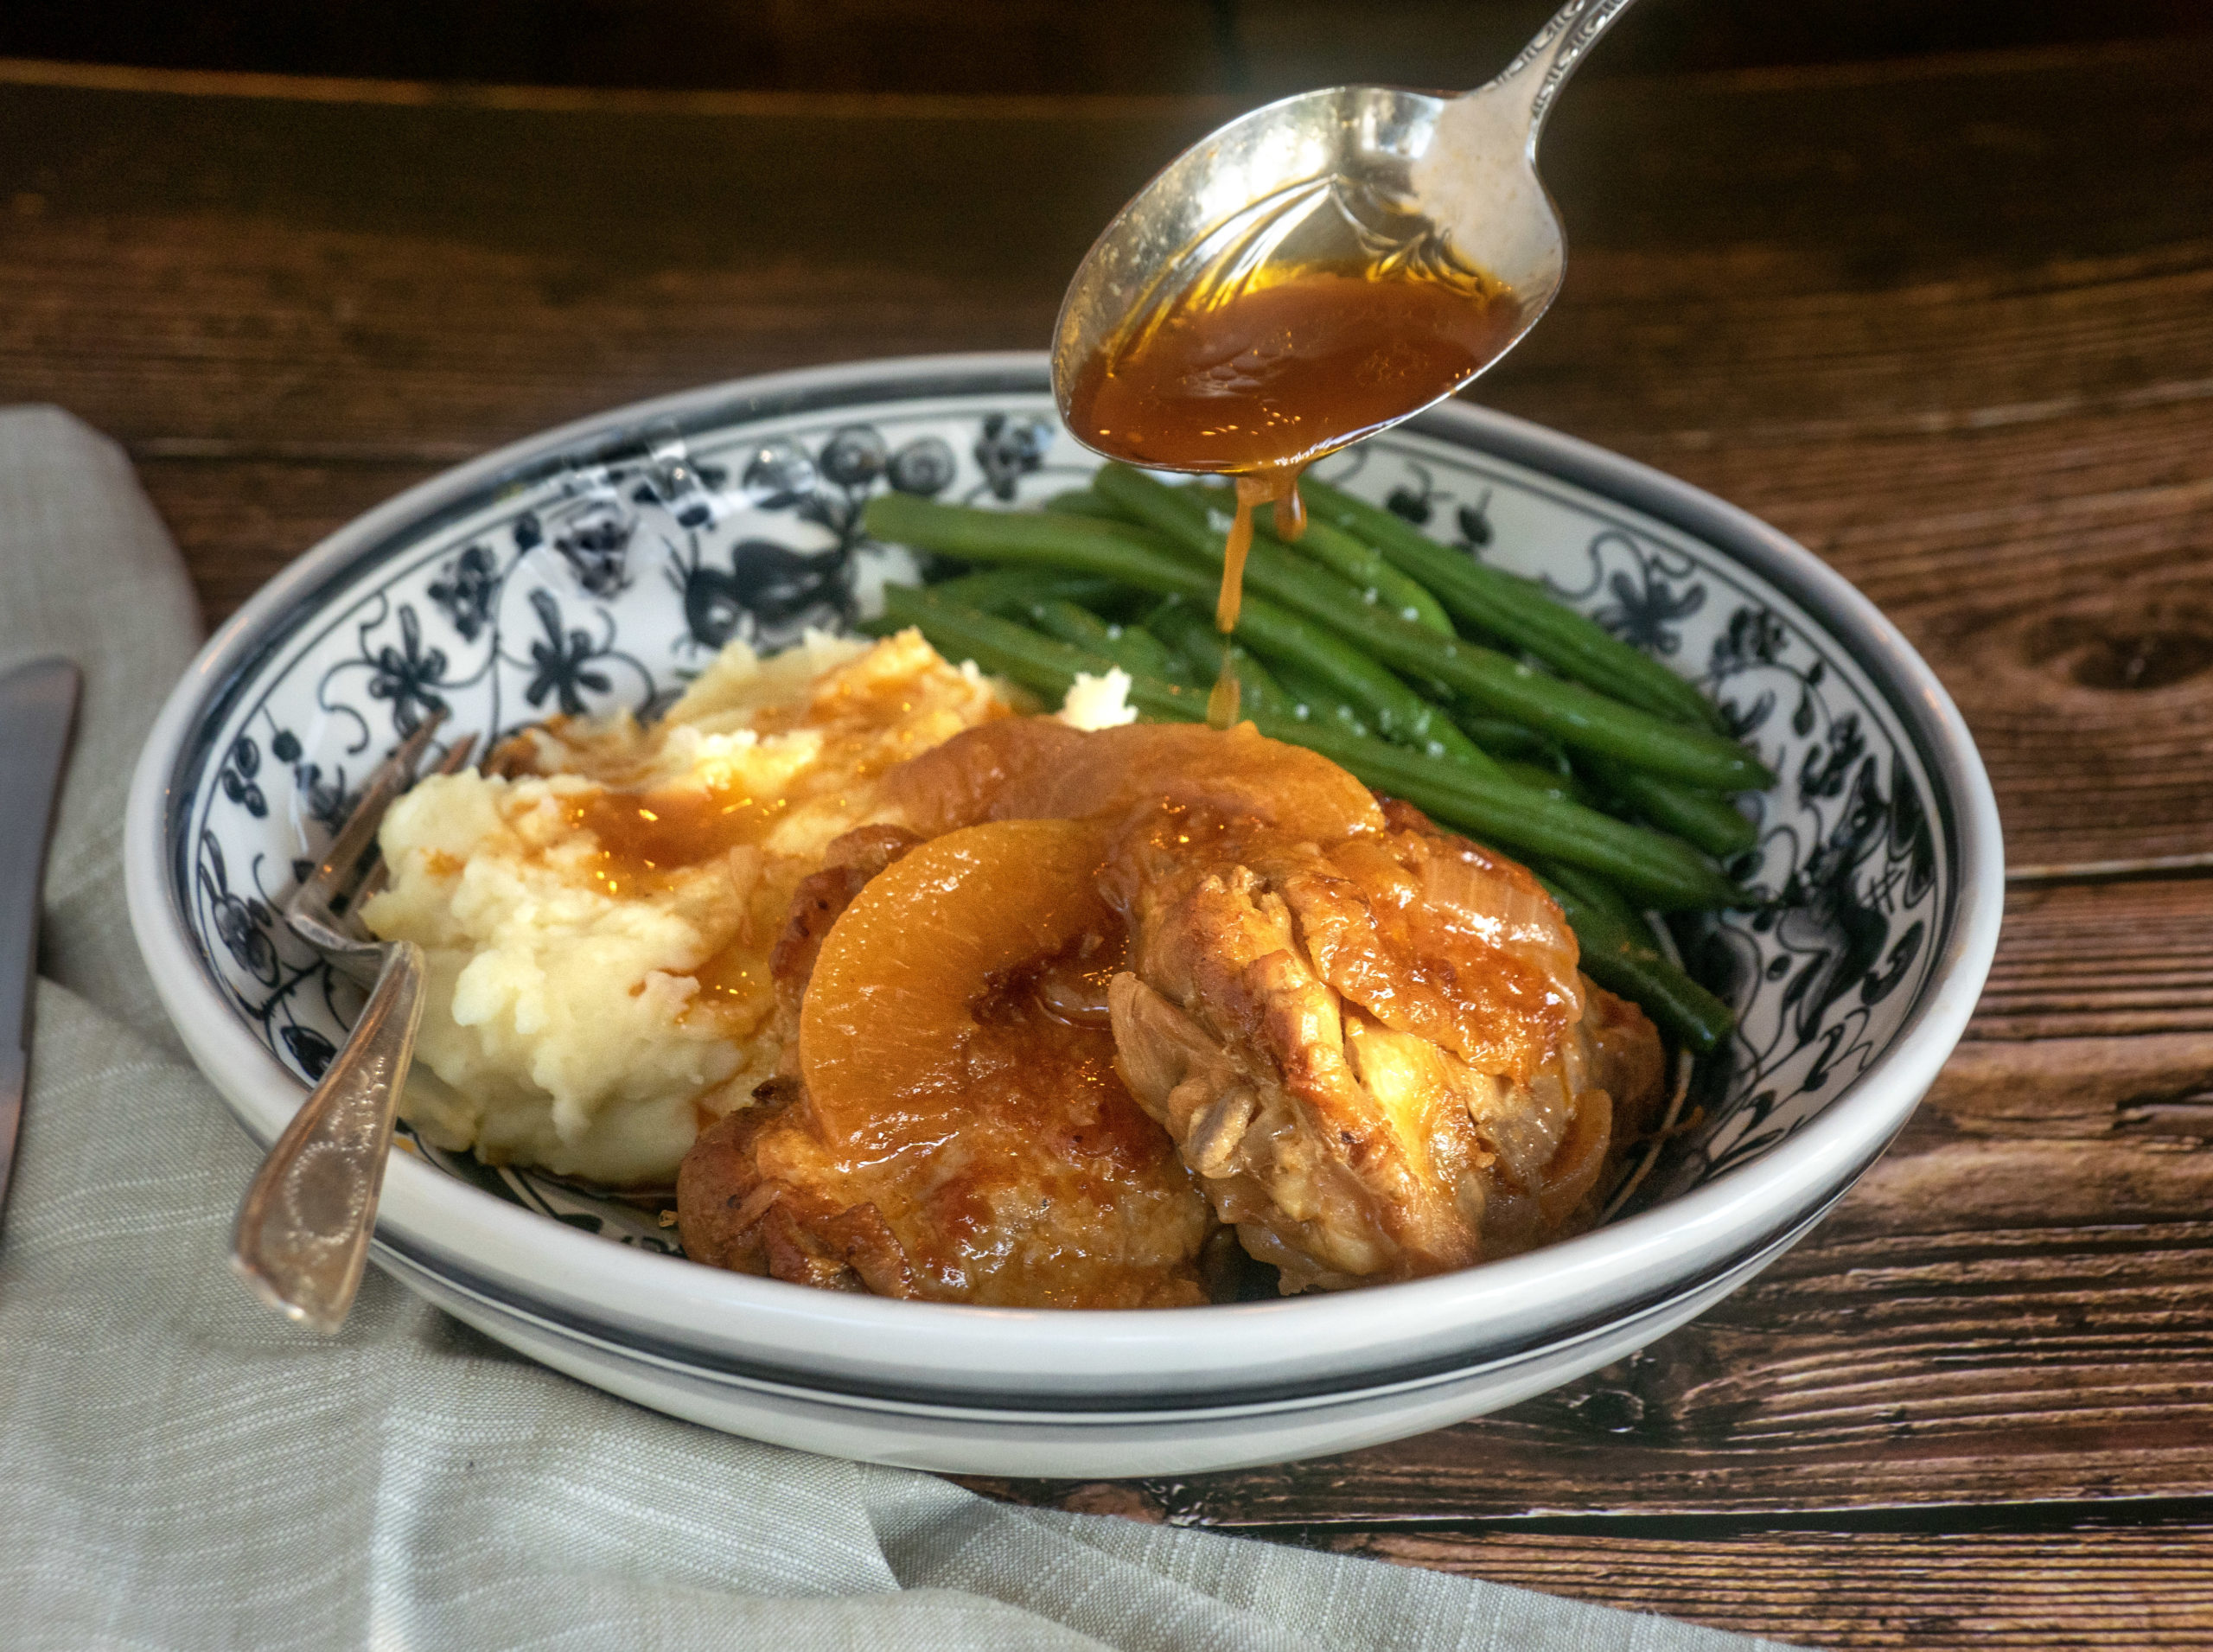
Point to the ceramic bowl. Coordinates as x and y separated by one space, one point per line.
600 565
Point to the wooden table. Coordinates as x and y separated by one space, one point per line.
1950 323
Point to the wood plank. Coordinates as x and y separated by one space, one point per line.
239 522
2146 1586
1716 286
1922 323
2014 1305
258 338
2007 1366
2093 961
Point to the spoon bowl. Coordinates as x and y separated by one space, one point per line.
1373 176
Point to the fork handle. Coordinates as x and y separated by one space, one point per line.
303 1234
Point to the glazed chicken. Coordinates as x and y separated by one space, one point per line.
954 1127
1078 997
1377 1056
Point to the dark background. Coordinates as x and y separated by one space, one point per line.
1255 47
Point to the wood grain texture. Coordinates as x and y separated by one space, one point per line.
1949 323
239 522
2090 1586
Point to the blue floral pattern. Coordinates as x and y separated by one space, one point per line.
1847 850
607 583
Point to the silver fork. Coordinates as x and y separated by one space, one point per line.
302 1235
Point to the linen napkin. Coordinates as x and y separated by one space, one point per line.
183 1469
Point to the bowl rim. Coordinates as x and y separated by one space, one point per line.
1111 1412
1062 1359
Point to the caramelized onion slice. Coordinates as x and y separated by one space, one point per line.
1475 897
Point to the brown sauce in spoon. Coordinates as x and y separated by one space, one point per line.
1258 380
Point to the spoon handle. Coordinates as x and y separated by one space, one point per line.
1548 60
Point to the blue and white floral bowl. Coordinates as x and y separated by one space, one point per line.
601 564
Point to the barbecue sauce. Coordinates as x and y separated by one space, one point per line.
1260 380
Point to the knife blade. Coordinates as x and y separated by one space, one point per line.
38 701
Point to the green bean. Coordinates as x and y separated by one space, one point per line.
1602 896
1394 590
1188 516
1664 871
1395 711
1549 780
1575 715
1257 689
1617 953
1368 569
1571 713
1043 664
1568 713
1191 635
1135 650
1311 697
1516 609
1713 823
1177 513
1085 501
1135 556
999 645
1042 539
1006 590
1180 626
1578 647
1503 739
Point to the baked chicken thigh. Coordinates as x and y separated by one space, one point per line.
1377 1056
1079 997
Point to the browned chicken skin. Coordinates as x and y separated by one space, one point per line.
1372 1054
1361 1042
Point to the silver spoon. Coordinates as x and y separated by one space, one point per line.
1409 174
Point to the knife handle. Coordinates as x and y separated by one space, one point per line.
304 1228
38 702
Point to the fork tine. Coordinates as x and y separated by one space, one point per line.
311 902
374 880
457 755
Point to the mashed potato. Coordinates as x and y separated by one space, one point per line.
598 918
1099 702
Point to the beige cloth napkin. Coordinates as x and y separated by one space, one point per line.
180 1469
